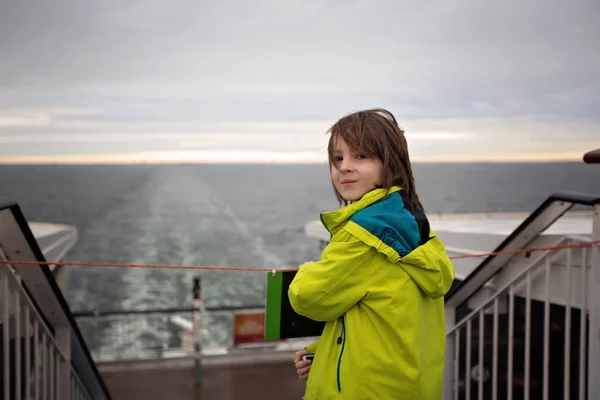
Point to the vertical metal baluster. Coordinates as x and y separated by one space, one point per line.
567 349
456 361
468 362
36 360
481 349
511 333
546 363
27 354
6 334
59 388
52 377
583 326
495 352
17 297
527 336
44 367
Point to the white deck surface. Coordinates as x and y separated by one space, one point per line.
480 233
572 223
502 224
55 240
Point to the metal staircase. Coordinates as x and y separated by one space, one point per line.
43 354
527 325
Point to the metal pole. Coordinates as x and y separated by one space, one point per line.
594 302
198 308
449 364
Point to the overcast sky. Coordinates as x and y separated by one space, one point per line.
255 81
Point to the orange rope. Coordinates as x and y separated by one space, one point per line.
215 268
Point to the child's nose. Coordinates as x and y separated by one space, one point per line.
347 165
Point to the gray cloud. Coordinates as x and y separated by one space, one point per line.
189 66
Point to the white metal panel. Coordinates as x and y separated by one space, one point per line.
15 247
559 292
521 240
19 244
501 224
55 240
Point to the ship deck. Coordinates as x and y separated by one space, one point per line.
221 380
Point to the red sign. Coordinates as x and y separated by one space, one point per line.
248 328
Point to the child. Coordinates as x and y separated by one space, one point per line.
381 280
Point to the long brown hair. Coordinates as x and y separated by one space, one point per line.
376 133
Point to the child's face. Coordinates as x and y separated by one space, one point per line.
354 174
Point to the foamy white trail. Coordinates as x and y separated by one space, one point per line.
213 233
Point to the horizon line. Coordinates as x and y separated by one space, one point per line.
279 162
265 157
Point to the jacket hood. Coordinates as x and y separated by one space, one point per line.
334 220
382 221
430 267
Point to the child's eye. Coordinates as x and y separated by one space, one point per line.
337 159
360 156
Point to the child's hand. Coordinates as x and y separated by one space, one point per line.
302 367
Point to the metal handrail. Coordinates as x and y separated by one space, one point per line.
538 221
46 296
53 361
504 288
592 157
171 310
470 353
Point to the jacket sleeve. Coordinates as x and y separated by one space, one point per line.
326 289
312 348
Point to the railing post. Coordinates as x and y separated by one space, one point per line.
198 307
63 335
447 391
594 302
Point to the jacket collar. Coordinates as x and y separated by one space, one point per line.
334 220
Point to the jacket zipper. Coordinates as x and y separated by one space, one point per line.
341 340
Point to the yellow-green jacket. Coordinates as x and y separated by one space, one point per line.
379 285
